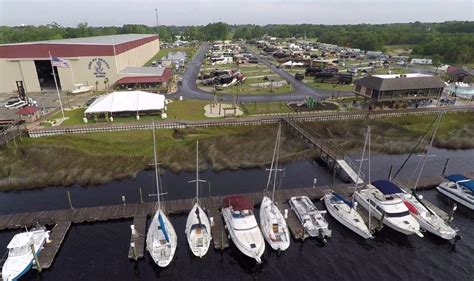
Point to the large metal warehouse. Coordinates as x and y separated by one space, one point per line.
92 59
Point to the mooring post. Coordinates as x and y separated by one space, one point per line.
69 199
445 166
390 172
134 251
141 195
38 266
123 200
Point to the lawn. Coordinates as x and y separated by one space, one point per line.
187 110
246 89
75 116
253 108
163 52
330 87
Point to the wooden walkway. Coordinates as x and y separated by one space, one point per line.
50 250
137 240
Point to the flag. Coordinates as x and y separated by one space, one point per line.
59 62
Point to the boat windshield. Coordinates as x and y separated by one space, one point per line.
397 215
241 214
18 251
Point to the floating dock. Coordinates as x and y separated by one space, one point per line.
50 250
137 238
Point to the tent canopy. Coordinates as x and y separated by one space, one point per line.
127 101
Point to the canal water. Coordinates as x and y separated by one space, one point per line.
99 251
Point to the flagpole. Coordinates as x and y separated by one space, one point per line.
56 83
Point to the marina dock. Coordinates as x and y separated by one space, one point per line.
63 218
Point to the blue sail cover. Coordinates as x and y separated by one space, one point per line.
340 197
457 177
387 187
163 228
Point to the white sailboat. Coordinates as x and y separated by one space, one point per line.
242 226
426 217
272 222
198 227
310 217
161 239
20 253
346 212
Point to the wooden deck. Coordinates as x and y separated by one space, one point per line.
50 250
137 240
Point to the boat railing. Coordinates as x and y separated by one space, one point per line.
2 261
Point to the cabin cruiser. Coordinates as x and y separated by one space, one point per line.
385 205
427 218
20 253
242 226
310 217
460 189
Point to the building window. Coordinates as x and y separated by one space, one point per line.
368 92
357 88
375 94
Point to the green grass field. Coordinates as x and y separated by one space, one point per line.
330 87
253 108
187 110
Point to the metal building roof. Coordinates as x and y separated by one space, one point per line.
400 82
109 40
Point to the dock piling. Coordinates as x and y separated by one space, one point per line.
69 199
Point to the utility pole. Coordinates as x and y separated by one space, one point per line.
156 14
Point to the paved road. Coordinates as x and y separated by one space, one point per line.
189 89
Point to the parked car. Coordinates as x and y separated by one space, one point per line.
15 103
299 76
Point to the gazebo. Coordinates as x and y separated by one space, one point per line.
29 113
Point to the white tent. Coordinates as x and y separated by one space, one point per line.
127 101
288 63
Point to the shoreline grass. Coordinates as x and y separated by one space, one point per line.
96 158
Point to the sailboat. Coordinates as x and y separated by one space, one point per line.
272 222
198 227
426 217
161 239
346 212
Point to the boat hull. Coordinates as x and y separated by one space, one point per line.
240 243
198 248
164 255
269 212
311 219
457 198
364 232
387 221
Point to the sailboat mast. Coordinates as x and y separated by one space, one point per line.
197 172
156 168
273 161
276 156
435 131
360 164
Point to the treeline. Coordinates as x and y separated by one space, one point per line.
448 42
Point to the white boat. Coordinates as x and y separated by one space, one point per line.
198 227
346 212
427 218
242 226
310 217
460 189
387 206
161 239
273 224
81 88
20 253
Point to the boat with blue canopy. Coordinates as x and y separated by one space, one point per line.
460 189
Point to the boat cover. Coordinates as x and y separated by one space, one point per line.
238 202
469 184
340 197
163 228
387 187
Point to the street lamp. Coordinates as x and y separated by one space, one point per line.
416 102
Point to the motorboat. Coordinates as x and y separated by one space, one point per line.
345 211
427 218
20 253
380 198
81 88
273 224
198 227
460 189
242 226
161 239
310 217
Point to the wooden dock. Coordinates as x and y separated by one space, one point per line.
137 239
294 225
50 250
